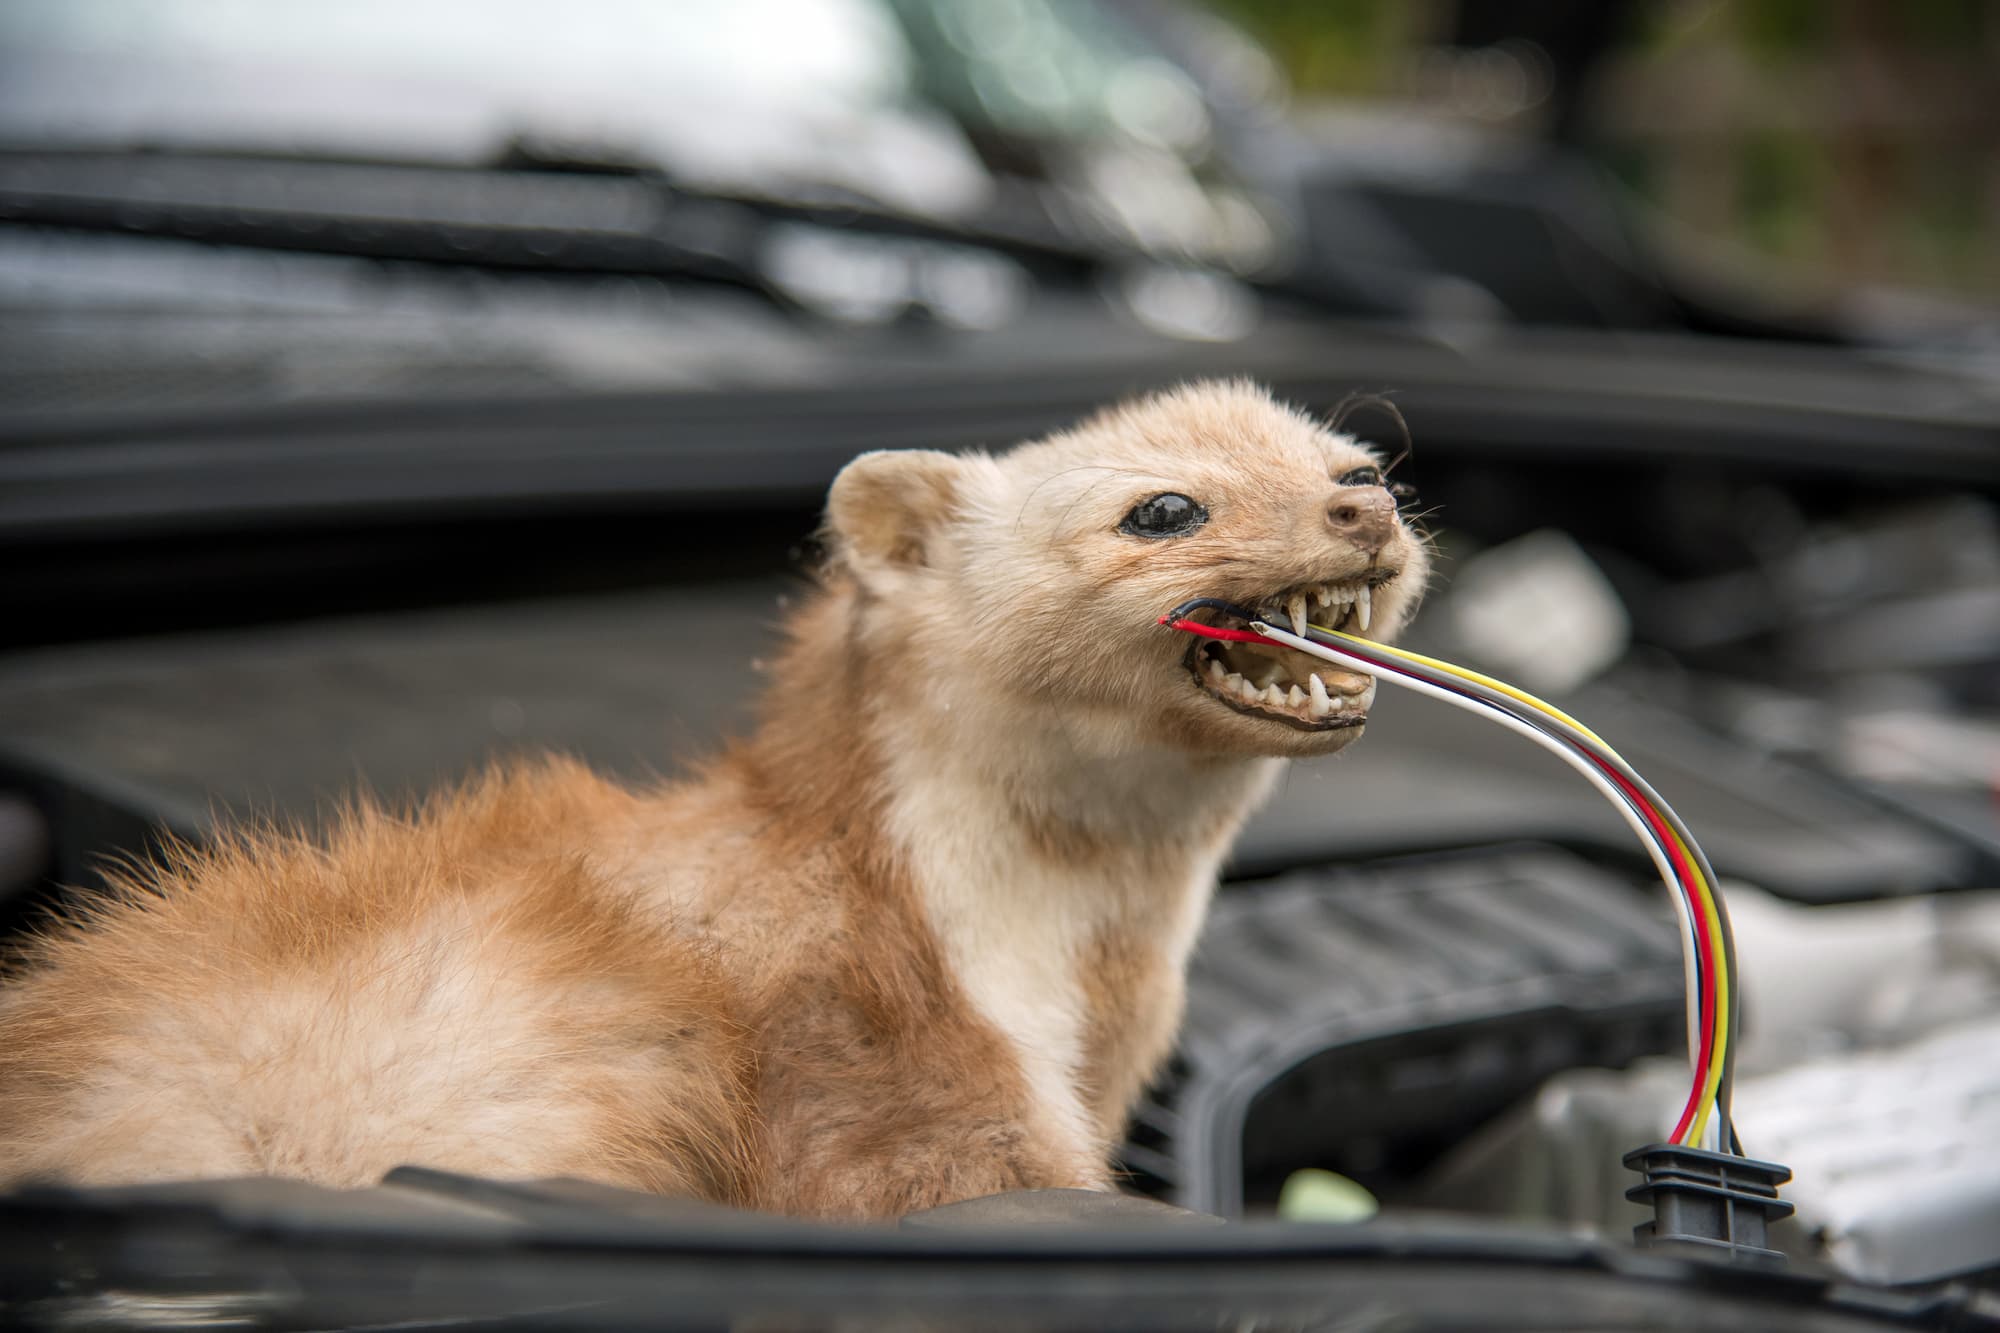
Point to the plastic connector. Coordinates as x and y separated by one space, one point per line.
1709 1202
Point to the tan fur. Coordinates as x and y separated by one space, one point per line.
460 989
921 937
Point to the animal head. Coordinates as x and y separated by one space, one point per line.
1036 578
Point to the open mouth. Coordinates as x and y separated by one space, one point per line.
1288 686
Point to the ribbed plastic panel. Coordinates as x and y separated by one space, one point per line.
1361 1019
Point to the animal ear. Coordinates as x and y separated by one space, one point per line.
887 508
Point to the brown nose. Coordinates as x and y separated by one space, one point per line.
1364 515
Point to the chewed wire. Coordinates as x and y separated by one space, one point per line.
1708 953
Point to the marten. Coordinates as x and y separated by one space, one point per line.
920 937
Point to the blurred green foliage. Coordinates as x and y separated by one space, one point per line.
1348 47
1848 139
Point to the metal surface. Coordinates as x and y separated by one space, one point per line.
282 721
1871 1068
1331 1007
429 1249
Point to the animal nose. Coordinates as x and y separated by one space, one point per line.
1364 515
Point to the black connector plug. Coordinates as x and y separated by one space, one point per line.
1708 1201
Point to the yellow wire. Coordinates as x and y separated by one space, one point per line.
1703 889
1467 673
1723 999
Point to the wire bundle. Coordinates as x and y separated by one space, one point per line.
1707 947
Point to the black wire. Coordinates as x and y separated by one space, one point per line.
1725 1090
1193 604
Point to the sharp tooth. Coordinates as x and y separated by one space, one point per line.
1215 670
1274 696
1245 690
1362 601
1295 696
1296 608
1321 704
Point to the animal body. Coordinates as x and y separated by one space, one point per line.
920 937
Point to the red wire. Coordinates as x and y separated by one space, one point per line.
1683 871
1217 632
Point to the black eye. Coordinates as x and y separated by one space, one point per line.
1168 515
1361 476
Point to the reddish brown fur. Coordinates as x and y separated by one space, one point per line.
1125 1035
637 1024
751 1075
794 982
873 1008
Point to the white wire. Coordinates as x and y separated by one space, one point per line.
1569 756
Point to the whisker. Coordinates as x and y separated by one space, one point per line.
1080 467
1085 494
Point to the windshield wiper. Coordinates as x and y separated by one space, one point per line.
526 214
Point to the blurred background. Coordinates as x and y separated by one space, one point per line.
392 384
1827 144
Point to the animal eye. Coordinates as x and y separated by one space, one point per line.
1168 515
1361 476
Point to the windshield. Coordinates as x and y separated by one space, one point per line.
862 95
735 94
